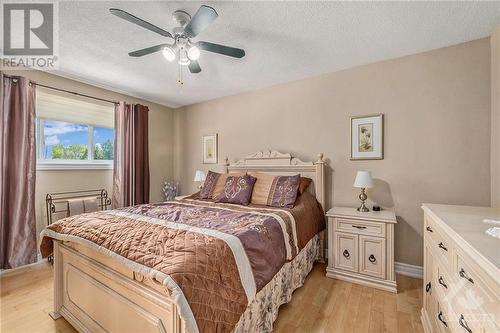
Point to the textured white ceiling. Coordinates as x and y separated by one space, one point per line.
284 41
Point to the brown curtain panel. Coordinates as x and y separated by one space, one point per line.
131 163
17 178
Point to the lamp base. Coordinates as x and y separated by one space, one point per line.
363 198
363 208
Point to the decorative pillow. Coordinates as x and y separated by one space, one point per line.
209 185
276 191
237 190
262 187
221 181
284 191
304 184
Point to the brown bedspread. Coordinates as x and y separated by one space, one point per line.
220 255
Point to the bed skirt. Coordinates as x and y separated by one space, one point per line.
263 311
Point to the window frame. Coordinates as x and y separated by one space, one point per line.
89 164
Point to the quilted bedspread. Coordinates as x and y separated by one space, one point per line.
217 256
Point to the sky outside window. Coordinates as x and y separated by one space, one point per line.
65 140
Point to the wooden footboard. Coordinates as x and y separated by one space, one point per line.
95 293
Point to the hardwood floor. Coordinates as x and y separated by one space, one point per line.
321 305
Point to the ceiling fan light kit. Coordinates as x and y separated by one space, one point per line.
168 53
184 49
193 53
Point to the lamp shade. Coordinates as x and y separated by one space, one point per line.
363 179
199 176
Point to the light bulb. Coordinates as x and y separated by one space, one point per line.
169 54
193 53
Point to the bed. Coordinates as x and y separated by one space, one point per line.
105 284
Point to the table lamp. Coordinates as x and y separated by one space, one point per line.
199 177
363 181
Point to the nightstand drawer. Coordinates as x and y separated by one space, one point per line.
361 227
372 256
346 252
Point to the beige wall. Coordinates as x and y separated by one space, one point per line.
495 119
437 122
160 147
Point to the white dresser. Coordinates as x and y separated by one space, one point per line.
461 270
361 247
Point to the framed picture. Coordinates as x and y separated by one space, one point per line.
210 149
367 137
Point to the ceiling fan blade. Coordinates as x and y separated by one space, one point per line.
147 50
222 49
203 17
194 67
140 22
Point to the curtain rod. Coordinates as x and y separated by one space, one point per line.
65 91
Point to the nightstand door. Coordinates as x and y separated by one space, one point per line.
372 256
346 251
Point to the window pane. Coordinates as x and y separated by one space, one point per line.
104 139
65 141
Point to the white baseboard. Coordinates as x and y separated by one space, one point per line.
409 270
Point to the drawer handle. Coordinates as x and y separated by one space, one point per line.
429 229
441 245
346 254
441 282
372 258
440 317
358 226
428 287
465 276
463 323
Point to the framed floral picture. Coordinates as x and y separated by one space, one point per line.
210 149
367 137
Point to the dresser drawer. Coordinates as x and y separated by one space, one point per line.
372 256
346 252
438 241
361 227
480 290
443 282
463 319
441 316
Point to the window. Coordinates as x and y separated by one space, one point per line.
104 140
73 132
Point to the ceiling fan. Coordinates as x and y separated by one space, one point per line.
186 51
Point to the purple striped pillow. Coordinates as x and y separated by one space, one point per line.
209 185
284 190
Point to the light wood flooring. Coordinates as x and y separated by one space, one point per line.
321 305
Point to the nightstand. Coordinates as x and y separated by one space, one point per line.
361 247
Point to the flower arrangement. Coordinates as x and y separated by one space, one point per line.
170 190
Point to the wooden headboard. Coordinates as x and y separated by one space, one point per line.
274 162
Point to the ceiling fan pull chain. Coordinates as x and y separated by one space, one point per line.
179 79
182 75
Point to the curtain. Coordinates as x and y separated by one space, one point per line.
17 177
131 162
